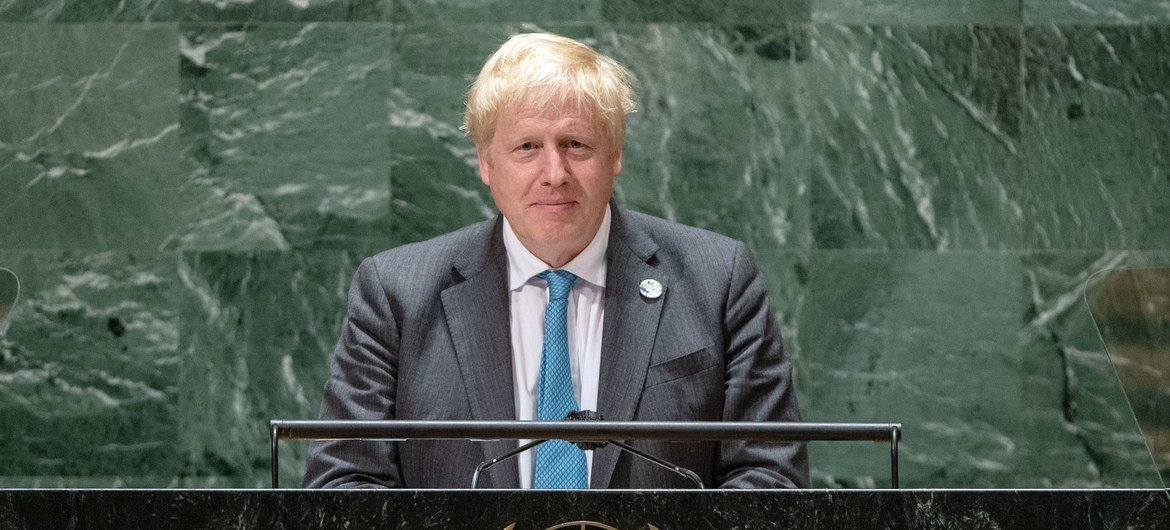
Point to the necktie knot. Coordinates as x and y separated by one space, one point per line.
560 282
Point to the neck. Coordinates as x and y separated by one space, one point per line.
555 256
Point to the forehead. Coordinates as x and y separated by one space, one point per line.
527 119
578 113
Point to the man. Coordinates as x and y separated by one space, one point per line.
563 302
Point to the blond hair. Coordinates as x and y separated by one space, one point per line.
537 70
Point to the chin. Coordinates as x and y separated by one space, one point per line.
556 233
557 236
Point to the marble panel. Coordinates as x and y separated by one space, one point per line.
88 371
719 140
483 11
89 136
786 271
712 11
932 138
1096 143
257 332
916 12
87 11
283 10
990 361
285 135
1095 12
433 196
916 136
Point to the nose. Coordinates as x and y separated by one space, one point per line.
556 168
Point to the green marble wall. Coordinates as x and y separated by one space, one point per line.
186 187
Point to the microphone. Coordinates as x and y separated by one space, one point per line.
589 415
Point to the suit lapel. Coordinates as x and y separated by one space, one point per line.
477 316
631 324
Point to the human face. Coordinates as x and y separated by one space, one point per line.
551 174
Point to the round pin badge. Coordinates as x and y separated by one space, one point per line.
650 288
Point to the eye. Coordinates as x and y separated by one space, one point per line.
526 146
576 144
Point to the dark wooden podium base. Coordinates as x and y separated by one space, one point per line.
520 510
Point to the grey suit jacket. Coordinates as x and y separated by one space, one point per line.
427 337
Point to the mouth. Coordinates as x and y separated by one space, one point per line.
554 204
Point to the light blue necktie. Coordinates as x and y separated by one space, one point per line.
559 464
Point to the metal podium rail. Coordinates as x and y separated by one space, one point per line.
583 431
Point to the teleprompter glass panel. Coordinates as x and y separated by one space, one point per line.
9 291
1132 310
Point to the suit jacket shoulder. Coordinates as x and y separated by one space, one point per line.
416 264
664 231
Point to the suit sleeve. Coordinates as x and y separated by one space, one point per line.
758 386
361 386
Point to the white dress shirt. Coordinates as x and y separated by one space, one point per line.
528 297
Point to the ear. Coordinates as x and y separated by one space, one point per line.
617 163
485 167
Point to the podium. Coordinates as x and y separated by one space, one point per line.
523 510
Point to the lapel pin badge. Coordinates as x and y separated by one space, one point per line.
650 288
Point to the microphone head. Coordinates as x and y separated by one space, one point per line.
586 415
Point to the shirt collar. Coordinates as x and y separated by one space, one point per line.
589 265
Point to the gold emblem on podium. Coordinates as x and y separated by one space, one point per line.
581 525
